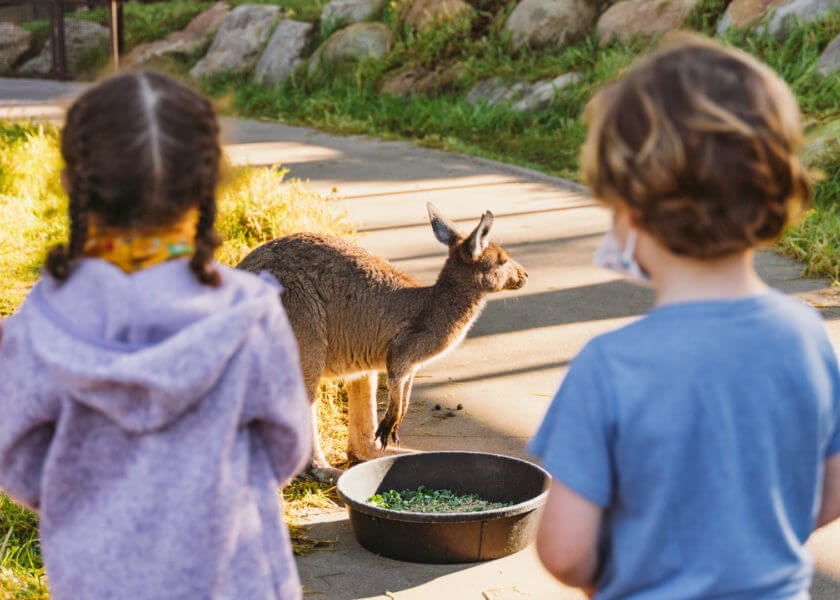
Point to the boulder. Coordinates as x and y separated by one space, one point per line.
629 19
188 40
283 53
352 44
801 10
14 43
821 140
774 15
520 96
422 80
541 23
423 13
830 58
744 13
493 91
80 37
240 40
339 13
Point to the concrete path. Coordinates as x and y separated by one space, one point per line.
506 370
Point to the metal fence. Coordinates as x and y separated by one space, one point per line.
66 37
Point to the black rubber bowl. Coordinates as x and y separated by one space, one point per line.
446 537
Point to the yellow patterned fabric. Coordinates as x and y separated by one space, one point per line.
135 249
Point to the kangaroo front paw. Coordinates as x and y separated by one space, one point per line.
387 432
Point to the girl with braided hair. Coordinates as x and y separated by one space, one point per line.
152 399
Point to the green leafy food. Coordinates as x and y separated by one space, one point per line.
425 500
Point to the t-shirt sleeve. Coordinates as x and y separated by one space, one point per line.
573 441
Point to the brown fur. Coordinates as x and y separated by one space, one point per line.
355 314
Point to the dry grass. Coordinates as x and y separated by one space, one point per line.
255 205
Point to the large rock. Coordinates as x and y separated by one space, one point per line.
745 13
80 37
422 80
346 12
283 53
185 42
629 19
352 44
541 23
240 40
820 141
14 43
830 58
801 10
750 13
520 95
424 13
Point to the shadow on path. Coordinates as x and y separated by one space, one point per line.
349 572
609 300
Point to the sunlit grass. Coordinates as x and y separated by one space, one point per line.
21 569
256 205
32 206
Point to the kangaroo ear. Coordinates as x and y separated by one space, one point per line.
480 237
444 229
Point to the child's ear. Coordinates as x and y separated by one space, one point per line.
65 180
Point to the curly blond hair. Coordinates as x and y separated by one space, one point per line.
701 143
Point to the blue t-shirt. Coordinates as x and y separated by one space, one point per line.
701 429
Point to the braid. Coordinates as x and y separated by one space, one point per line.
60 259
206 239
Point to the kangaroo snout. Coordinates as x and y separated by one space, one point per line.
518 278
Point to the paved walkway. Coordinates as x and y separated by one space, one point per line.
506 370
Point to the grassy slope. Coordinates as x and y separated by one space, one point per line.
550 139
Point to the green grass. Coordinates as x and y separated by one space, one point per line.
21 569
300 10
816 241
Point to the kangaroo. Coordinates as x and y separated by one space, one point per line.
355 314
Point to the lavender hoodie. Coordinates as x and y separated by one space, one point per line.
149 419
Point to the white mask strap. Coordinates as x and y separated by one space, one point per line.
630 246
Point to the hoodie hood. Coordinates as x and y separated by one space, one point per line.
143 349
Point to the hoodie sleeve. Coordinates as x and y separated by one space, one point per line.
29 411
277 407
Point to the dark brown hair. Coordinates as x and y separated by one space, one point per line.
700 142
141 149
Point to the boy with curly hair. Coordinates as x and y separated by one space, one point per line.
694 451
